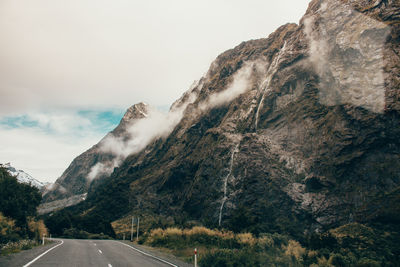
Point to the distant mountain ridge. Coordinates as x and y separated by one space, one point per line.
22 176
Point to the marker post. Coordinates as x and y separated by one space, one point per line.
195 257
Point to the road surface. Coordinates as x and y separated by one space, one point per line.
74 252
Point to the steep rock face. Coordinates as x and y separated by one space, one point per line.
79 176
298 131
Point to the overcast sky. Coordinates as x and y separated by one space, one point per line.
70 68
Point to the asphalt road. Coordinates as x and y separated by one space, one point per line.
73 252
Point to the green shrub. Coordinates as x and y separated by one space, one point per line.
17 246
364 262
227 257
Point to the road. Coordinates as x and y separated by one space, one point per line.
107 253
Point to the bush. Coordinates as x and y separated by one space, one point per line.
37 228
7 230
75 233
227 257
367 263
294 249
14 247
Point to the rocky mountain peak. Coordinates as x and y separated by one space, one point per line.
92 165
136 111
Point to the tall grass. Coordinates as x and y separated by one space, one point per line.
224 248
350 245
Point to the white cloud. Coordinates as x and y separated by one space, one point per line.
91 53
142 132
240 84
61 123
42 155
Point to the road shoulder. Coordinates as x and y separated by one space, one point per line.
158 253
21 258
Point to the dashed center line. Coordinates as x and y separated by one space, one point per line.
100 251
95 244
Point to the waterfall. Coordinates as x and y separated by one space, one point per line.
235 150
265 84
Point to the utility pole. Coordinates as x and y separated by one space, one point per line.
137 231
132 230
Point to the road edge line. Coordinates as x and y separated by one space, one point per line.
149 255
38 257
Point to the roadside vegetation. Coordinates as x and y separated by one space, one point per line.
349 245
19 227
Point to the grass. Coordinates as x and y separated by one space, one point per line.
349 245
225 248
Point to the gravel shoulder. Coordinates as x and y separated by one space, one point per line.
23 257
158 253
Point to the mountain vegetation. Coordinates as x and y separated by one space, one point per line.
18 202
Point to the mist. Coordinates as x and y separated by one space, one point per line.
240 84
157 124
140 134
349 61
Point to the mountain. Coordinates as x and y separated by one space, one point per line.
94 163
294 133
22 176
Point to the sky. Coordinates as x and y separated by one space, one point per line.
70 68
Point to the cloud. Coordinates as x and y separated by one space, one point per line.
92 54
42 155
240 84
101 169
242 81
139 134
44 143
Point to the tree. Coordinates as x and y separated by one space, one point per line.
17 200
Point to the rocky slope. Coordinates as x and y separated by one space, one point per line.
295 132
92 165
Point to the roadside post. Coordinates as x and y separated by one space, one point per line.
137 231
195 257
132 230
43 240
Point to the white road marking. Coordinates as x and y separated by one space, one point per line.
38 257
95 244
100 251
147 254
109 265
